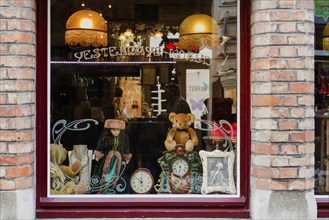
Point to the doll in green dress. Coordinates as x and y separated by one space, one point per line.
112 148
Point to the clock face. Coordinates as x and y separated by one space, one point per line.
180 167
141 181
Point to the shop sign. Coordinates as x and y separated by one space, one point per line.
149 52
197 90
322 9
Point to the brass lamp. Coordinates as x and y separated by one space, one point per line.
325 37
87 28
198 31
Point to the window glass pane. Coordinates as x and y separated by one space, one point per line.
144 98
321 99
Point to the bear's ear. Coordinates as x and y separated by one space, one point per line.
172 116
190 117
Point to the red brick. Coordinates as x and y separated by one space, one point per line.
24 135
288 51
21 25
20 147
306 100
12 12
3 24
300 161
16 135
288 173
24 159
3 147
17 61
16 160
280 161
302 136
7 160
3 99
287 27
11 111
287 4
305 4
288 101
17 3
3 49
261 172
285 75
278 39
306 149
261 64
279 136
24 183
278 64
297 184
265 100
298 40
7 85
25 85
265 149
288 149
21 73
16 184
279 185
298 113
287 125
7 184
17 172
280 112
263 184
279 15
302 88
16 37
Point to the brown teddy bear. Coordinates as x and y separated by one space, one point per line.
181 133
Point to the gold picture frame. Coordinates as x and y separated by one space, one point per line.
217 172
149 76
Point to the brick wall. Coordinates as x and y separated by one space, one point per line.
282 99
17 94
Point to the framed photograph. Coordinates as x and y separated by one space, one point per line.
217 172
149 76
164 74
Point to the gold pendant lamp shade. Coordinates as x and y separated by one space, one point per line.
198 31
325 37
86 28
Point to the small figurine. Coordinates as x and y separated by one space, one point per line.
112 148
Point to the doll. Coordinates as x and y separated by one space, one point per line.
112 148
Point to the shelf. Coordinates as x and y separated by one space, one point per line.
112 63
321 53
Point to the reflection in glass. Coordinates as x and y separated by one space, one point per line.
143 74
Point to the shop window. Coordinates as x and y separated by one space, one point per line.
321 99
141 107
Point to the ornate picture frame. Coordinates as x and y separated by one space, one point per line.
217 172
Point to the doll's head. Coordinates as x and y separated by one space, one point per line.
115 126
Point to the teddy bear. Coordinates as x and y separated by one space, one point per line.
181 133
60 174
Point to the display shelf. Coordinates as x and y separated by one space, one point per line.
112 63
321 52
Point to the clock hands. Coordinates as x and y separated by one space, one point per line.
140 180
